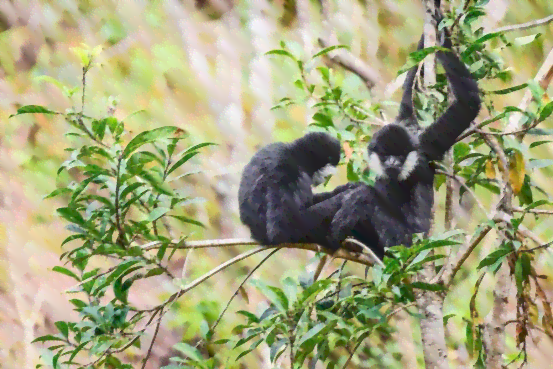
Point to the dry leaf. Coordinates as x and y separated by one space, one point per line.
347 150
517 171
490 169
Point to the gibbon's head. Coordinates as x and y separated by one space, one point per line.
391 153
318 153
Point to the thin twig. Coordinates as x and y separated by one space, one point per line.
240 286
361 339
467 188
527 25
533 211
463 256
544 246
153 339
206 276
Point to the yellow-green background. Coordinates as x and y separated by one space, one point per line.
198 65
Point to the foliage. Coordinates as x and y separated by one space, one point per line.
123 205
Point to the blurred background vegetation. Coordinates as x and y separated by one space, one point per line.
198 65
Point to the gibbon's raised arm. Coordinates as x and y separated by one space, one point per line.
442 134
406 110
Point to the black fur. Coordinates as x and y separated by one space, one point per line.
400 202
275 195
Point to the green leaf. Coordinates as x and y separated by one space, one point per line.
189 351
243 353
99 128
71 215
494 257
77 350
520 41
147 137
33 109
326 50
508 90
540 163
281 52
47 338
538 143
154 272
416 57
252 318
536 204
63 328
181 161
156 214
323 120
57 192
316 330
199 146
439 243
429 286
545 112
188 220
130 188
66 271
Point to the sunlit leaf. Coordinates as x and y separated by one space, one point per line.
520 41
326 50
149 136
33 109
66 271
281 52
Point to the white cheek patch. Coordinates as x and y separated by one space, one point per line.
410 164
320 175
376 165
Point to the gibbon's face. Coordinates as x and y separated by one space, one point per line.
391 153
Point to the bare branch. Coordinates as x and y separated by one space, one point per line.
533 211
527 25
467 188
181 245
495 325
430 303
350 62
240 286
543 77
541 247
153 340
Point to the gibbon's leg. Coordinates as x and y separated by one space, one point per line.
318 218
284 220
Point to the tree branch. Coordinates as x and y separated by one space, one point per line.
430 303
350 62
543 77
181 245
527 25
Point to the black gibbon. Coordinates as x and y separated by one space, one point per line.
401 154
